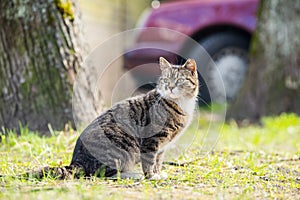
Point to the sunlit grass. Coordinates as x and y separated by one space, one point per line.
252 161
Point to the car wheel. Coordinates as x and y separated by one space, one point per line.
220 81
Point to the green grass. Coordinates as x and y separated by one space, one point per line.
248 162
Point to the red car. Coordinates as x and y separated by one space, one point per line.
222 27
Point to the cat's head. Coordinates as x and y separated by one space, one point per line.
178 81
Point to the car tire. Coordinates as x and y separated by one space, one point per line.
221 79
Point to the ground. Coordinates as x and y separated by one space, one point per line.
248 162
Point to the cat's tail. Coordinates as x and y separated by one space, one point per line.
60 173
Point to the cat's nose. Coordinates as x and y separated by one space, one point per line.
171 88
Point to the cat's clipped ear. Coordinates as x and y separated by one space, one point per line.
190 65
164 64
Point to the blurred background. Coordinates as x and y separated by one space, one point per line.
103 18
60 55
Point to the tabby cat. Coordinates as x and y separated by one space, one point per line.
138 129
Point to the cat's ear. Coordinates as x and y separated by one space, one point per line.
190 65
164 64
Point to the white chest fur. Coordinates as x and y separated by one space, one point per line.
188 107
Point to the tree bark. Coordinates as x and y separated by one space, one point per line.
272 85
39 57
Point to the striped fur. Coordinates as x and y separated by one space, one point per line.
140 128
137 129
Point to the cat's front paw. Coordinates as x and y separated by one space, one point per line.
161 176
155 177
164 175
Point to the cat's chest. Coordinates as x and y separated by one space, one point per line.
188 108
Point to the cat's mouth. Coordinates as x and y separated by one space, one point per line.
172 95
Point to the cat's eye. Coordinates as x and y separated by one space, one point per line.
180 80
165 80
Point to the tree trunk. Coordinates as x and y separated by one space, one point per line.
39 57
272 85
